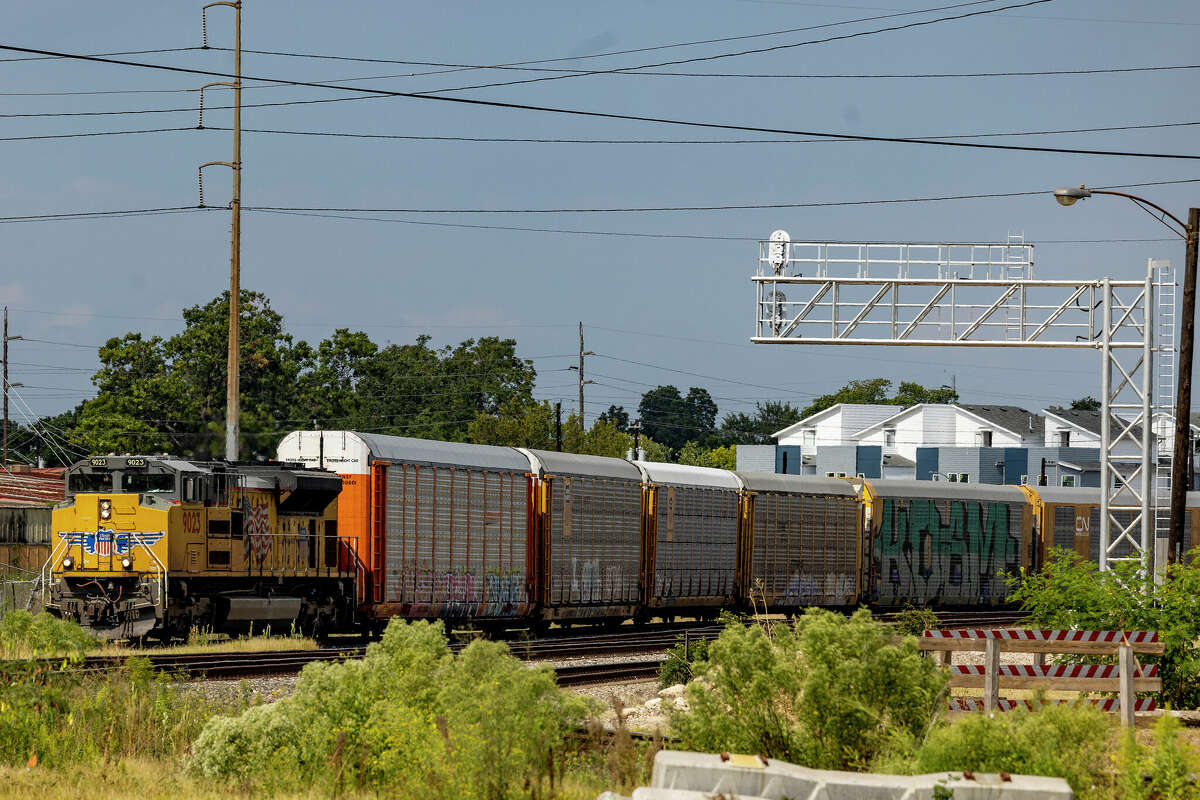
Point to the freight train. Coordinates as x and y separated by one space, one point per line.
501 537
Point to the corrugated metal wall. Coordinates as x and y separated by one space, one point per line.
805 549
24 525
456 541
595 542
696 540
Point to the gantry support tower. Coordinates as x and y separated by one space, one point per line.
984 295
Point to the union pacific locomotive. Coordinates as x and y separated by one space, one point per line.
148 543
504 537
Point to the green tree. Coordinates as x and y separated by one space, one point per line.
516 424
674 420
169 394
757 428
697 455
616 415
435 393
1088 403
875 391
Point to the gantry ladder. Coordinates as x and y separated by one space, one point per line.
1164 412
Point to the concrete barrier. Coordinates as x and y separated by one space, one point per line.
700 776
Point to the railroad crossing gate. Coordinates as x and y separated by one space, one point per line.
986 295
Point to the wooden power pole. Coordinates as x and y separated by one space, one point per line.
233 379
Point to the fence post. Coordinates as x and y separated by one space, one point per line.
991 676
1126 668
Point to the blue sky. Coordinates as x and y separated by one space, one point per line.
677 303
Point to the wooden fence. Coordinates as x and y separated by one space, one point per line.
1125 678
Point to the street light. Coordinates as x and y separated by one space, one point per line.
1180 455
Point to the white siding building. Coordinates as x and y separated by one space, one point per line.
833 427
1082 429
937 425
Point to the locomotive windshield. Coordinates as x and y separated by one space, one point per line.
90 482
147 482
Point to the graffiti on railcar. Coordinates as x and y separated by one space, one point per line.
463 594
592 583
505 594
930 551
818 589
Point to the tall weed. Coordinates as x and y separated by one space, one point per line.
1064 741
1164 771
829 693
410 719
25 635
56 715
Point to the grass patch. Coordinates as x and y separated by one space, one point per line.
213 643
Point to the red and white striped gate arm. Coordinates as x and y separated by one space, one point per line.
1110 704
1117 637
1056 670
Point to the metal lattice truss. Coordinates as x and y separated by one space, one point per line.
982 295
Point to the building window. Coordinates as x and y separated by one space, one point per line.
1064 438
889 437
983 438
810 439
962 477
1068 481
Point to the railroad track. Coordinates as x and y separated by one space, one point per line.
287 662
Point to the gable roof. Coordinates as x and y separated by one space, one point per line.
825 412
1089 421
1017 420
1013 419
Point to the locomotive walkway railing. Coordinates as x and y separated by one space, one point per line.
1125 678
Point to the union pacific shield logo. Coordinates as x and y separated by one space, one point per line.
105 542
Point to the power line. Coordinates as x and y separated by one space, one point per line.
759 50
300 212
631 234
611 115
133 212
117 53
543 140
748 75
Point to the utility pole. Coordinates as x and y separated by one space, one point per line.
233 379
1181 454
582 382
558 426
7 339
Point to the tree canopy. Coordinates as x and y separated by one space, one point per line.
875 391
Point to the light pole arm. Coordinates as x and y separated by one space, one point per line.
1144 201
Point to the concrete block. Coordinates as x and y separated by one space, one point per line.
747 776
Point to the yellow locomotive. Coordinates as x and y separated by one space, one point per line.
154 544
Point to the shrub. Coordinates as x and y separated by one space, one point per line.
914 621
1064 741
829 693
677 667
409 719
1070 592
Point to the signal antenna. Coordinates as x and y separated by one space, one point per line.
232 395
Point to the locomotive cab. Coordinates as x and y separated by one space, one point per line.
146 544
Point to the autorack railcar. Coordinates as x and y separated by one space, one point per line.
691 519
945 544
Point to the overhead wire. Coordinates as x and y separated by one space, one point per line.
545 140
611 115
